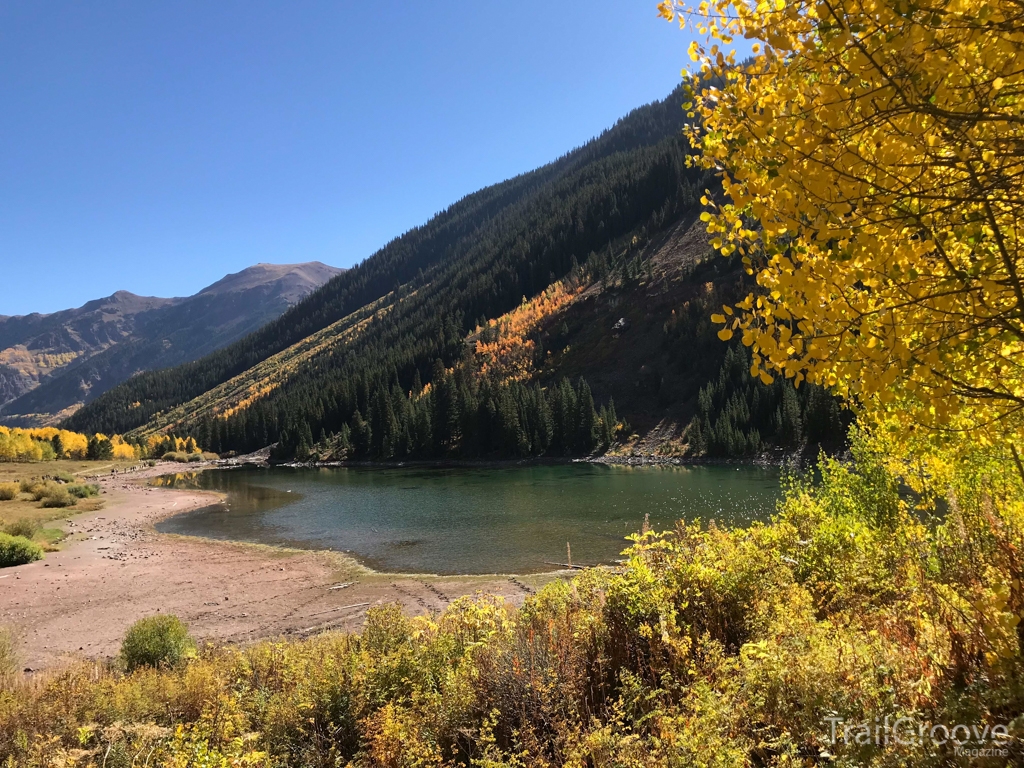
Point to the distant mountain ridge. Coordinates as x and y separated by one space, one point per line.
50 364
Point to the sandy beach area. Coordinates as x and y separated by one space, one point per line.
115 569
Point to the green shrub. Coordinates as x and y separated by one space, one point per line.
23 527
57 497
83 490
156 641
17 550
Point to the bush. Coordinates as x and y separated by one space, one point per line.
156 641
41 489
9 491
17 550
182 457
83 490
23 527
57 497
30 486
185 458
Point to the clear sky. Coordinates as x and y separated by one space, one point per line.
157 146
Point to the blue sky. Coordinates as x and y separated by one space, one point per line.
155 147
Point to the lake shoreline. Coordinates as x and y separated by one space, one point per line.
765 460
116 568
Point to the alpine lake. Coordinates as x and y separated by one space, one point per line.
470 520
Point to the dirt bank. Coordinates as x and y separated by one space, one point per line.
115 568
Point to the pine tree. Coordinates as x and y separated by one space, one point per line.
345 441
362 435
586 429
792 427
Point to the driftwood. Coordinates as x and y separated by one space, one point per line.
567 565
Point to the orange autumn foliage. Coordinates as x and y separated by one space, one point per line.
505 349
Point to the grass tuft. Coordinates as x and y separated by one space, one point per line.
9 657
23 527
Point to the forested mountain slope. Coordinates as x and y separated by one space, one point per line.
499 244
639 332
54 362
380 362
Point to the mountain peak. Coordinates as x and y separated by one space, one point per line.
119 301
291 278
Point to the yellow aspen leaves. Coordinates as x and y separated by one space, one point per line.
872 159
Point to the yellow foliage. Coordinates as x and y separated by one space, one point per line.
504 349
153 442
256 391
18 445
38 445
75 445
56 360
123 450
871 157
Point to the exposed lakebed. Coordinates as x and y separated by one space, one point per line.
469 520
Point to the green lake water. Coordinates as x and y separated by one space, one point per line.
470 520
